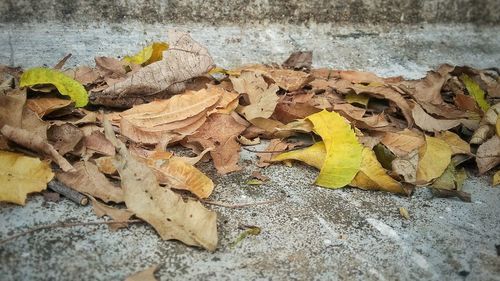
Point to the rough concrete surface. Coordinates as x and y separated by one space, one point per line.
312 233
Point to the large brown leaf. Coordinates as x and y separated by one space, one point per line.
184 59
430 124
171 216
488 154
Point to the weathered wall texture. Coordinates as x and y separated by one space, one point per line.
254 11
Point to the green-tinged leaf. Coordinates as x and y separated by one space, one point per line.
384 156
64 84
251 230
343 151
475 91
451 179
149 54
254 182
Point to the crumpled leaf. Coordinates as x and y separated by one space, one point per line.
406 166
262 98
64 84
488 154
184 59
171 216
20 175
372 176
34 142
220 132
457 145
149 54
101 210
475 91
88 179
343 151
435 156
481 134
147 274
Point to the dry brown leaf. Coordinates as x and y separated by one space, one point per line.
97 142
32 123
428 89
171 216
11 108
387 93
64 137
261 98
289 80
274 145
35 143
83 74
299 60
88 179
184 59
175 173
431 124
357 77
44 106
245 141
105 164
147 274
101 210
110 67
402 143
488 154
220 131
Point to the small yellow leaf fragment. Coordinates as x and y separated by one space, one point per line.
361 99
148 55
496 178
404 213
435 156
343 151
20 175
475 91
64 84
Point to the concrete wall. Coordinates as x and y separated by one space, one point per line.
253 11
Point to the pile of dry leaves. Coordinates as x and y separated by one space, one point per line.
106 130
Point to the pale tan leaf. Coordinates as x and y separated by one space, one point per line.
406 166
488 154
147 274
44 106
64 137
457 145
101 210
431 124
402 143
88 179
11 108
34 142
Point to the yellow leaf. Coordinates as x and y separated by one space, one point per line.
20 175
496 178
64 84
361 99
314 155
457 145
451 179
475 91
435 156
498 126
372 176
149 54
343 151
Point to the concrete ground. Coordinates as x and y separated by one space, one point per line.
313 233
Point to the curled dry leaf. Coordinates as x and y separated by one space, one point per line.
20 175
101 210
488 154
245 141
435 156
431 124
262 99
184 60
171 216
220 132
44 106
36 143
406 166
88 179
428 89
